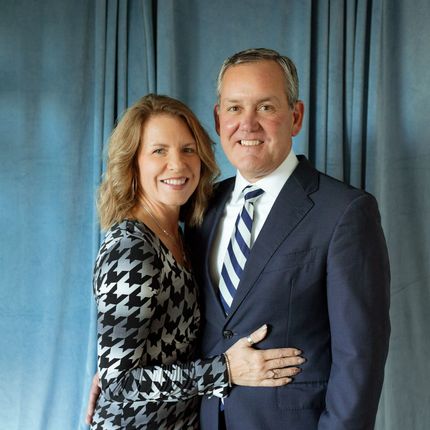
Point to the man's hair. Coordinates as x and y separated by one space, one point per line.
263 54
120 189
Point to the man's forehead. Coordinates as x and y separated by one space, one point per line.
240 98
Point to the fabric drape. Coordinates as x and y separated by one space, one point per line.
68 70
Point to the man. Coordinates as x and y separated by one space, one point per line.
317 271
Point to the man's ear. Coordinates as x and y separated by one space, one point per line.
216 118
299 110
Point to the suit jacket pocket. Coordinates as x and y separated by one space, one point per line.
304 395
287 261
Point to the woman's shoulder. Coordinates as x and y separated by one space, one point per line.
128 256
131 232
125 238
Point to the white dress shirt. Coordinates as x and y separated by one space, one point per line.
272 185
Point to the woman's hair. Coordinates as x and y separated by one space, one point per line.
120 189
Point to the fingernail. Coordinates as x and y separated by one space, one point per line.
301 360
298 352
263 327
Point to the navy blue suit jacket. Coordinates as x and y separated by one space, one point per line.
318 274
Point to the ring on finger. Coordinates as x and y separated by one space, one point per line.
250 340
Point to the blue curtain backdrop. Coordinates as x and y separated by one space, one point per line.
68 68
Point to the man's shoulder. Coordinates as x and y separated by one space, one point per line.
324 182
339 189
221 190
224 185
328 191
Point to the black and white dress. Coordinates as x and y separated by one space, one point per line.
147 325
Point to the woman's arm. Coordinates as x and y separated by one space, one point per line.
126 286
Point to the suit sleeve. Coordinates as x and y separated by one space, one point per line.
126 295
358 281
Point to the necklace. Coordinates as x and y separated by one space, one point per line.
170 236
177 242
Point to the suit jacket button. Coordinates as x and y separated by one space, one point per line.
228 334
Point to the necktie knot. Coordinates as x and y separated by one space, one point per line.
252 193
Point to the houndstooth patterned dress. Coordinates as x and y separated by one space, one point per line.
147 324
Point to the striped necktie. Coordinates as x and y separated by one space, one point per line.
238 249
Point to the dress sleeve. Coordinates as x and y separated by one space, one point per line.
126 286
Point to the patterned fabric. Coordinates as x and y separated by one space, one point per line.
148 322
238 248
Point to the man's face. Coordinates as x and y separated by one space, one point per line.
253 118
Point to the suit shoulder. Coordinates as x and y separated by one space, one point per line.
220 190
340 190
222 186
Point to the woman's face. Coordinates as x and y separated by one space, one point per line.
169 166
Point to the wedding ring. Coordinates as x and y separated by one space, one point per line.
250 341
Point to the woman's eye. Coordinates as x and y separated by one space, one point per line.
189 150
158 151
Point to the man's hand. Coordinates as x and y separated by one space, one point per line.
92 400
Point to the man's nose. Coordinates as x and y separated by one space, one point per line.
249 121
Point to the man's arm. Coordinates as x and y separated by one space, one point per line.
358 280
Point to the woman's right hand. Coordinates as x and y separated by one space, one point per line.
262 368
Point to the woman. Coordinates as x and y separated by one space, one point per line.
160 166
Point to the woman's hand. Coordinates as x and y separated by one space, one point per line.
262 368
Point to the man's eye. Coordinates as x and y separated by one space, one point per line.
265 107
232 108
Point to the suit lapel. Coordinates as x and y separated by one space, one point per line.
212 220
291 206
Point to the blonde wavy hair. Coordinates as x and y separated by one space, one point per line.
120 188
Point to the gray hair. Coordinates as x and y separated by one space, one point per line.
263 54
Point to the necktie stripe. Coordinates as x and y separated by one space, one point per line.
247 220
244 230
228 285
232 272
241 243
238 248
236 259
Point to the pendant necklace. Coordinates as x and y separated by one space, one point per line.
177 242
170 236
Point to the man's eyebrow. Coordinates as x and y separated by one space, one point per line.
262 100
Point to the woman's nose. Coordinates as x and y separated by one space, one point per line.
176 161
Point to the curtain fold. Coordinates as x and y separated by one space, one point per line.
69 69
341 68
124 71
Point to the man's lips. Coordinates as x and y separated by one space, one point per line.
249 142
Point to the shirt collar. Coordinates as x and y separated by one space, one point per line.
272 183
